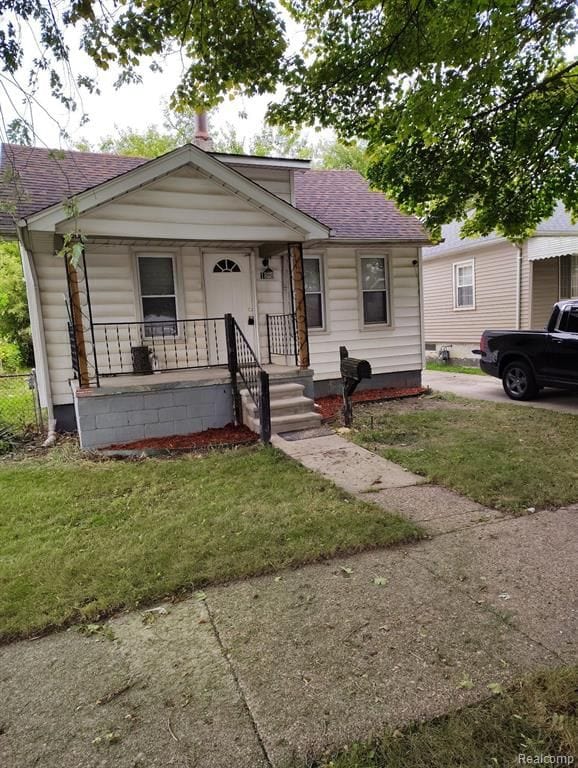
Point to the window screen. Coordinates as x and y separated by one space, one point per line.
157 286
313 279
374 289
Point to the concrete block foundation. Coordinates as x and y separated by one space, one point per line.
106 417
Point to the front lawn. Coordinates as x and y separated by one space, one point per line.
503 456
79 538
436 365
536 720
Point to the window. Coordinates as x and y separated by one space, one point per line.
374 289
313 278
574 276
226 265
569 321
464 285
159 301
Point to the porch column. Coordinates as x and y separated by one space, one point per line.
77 317
298 287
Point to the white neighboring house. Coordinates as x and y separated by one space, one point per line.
471 285
134 342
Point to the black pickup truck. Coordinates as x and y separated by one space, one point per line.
526 361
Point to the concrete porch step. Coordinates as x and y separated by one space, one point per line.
287 422
290 409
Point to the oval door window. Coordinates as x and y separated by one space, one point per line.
226 265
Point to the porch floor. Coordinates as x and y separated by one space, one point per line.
184 378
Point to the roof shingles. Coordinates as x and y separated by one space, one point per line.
33 178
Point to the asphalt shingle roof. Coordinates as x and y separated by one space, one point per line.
35 178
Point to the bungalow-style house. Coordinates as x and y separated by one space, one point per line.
208 287
488 282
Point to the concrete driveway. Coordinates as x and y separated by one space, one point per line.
489 388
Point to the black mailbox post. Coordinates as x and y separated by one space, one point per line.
353 371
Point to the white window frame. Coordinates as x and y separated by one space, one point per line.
158 255
386 256
574 276
455 267
319 258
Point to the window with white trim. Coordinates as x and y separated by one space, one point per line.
374 290
464 297
158 294
574 276
314 291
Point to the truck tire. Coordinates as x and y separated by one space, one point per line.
518 381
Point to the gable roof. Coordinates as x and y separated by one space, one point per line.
343 201
340 200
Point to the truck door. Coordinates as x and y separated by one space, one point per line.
563 347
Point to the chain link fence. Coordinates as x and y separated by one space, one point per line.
20 412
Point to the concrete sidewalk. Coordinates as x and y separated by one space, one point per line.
288 666
489 388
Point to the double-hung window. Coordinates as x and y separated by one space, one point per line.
464 291
314 298
158 296
374 290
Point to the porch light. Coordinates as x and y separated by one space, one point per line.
266 273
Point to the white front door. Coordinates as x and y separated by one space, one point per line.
228 287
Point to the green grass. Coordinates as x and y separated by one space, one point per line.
79 538
536 717
503 456
434 365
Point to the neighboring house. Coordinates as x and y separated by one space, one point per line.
304 261
488 282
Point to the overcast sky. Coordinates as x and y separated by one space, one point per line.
135 106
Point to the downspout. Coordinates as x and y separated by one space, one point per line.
418 264
33 295
519 258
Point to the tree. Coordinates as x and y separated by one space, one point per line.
469 107
14 320
351 155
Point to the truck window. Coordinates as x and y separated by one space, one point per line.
569 321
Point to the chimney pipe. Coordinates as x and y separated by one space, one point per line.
202 138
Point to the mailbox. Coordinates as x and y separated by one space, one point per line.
352 368
353 371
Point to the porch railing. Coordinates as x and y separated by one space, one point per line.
243 362
159 345
281 336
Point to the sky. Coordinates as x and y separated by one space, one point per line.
134 106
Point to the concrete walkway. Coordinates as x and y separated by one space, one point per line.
288 666
489 388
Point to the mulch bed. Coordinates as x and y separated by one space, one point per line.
329 407
210 438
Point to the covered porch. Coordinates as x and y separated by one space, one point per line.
174 359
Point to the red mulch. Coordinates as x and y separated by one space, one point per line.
330 406
229 435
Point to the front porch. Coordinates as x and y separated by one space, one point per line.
152 373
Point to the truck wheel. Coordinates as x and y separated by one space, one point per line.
518 381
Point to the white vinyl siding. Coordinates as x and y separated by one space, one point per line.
275 180
545 290
464 285
389 349
495 294
314 292
183 205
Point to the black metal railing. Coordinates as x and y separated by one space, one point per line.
159 345
281 336
243 363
